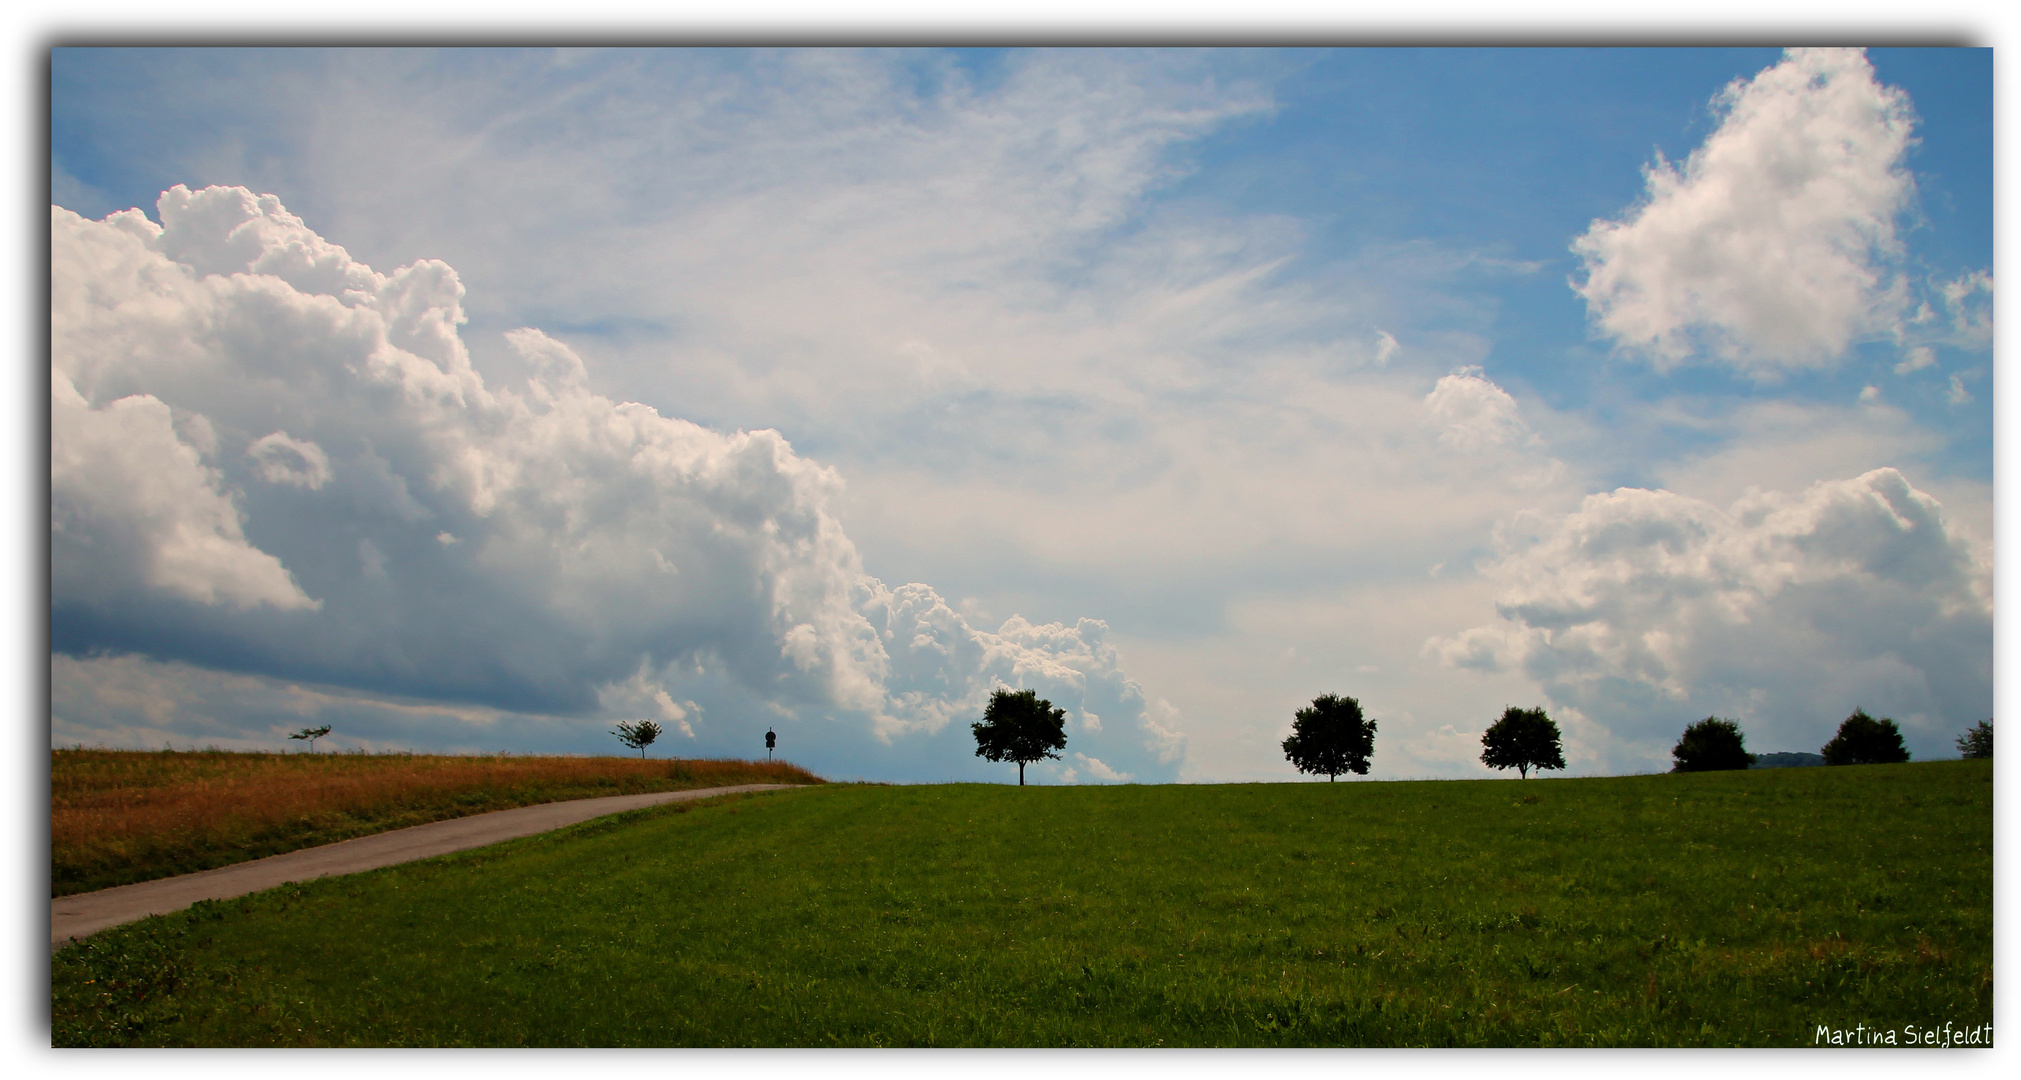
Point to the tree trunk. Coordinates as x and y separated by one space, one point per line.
1523 771
1021 774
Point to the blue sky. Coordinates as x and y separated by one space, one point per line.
1185 385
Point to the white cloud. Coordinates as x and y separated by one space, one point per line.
542 549
296 462
132 506
1786 611
1480 419
1916 359
641 693
1385 348
1474 414
1968 300
1773 246
1100 772
942 668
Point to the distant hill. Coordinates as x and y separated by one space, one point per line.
1796 760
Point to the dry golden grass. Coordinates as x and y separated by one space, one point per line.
120 816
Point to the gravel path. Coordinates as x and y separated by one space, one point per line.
83 914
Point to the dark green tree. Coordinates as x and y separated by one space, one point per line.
311 734
1331 736
1523 739
1863 740
1711 744
638 735
1020 726
1977 742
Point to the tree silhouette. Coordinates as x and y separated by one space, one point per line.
1863 740
1977 741
1523 739
1711 744
638 735
311 734
1020 726
1330 736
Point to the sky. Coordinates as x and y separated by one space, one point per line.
478 399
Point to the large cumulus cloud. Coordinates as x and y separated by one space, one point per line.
1774 245
1646 609
271 459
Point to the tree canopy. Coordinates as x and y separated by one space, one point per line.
1977 741
1523 739
638 735
1711 744
1863 740
1331 736
1020 726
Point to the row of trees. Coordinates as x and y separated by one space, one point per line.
1713 743
1330 736
1333 736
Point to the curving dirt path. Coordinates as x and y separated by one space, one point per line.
83 914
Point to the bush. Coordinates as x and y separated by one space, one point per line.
1711 744
1863 740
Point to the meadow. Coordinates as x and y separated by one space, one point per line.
1722 909
121 816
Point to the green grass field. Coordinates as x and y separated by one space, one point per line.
1709 909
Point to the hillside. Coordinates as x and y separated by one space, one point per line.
1738 908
